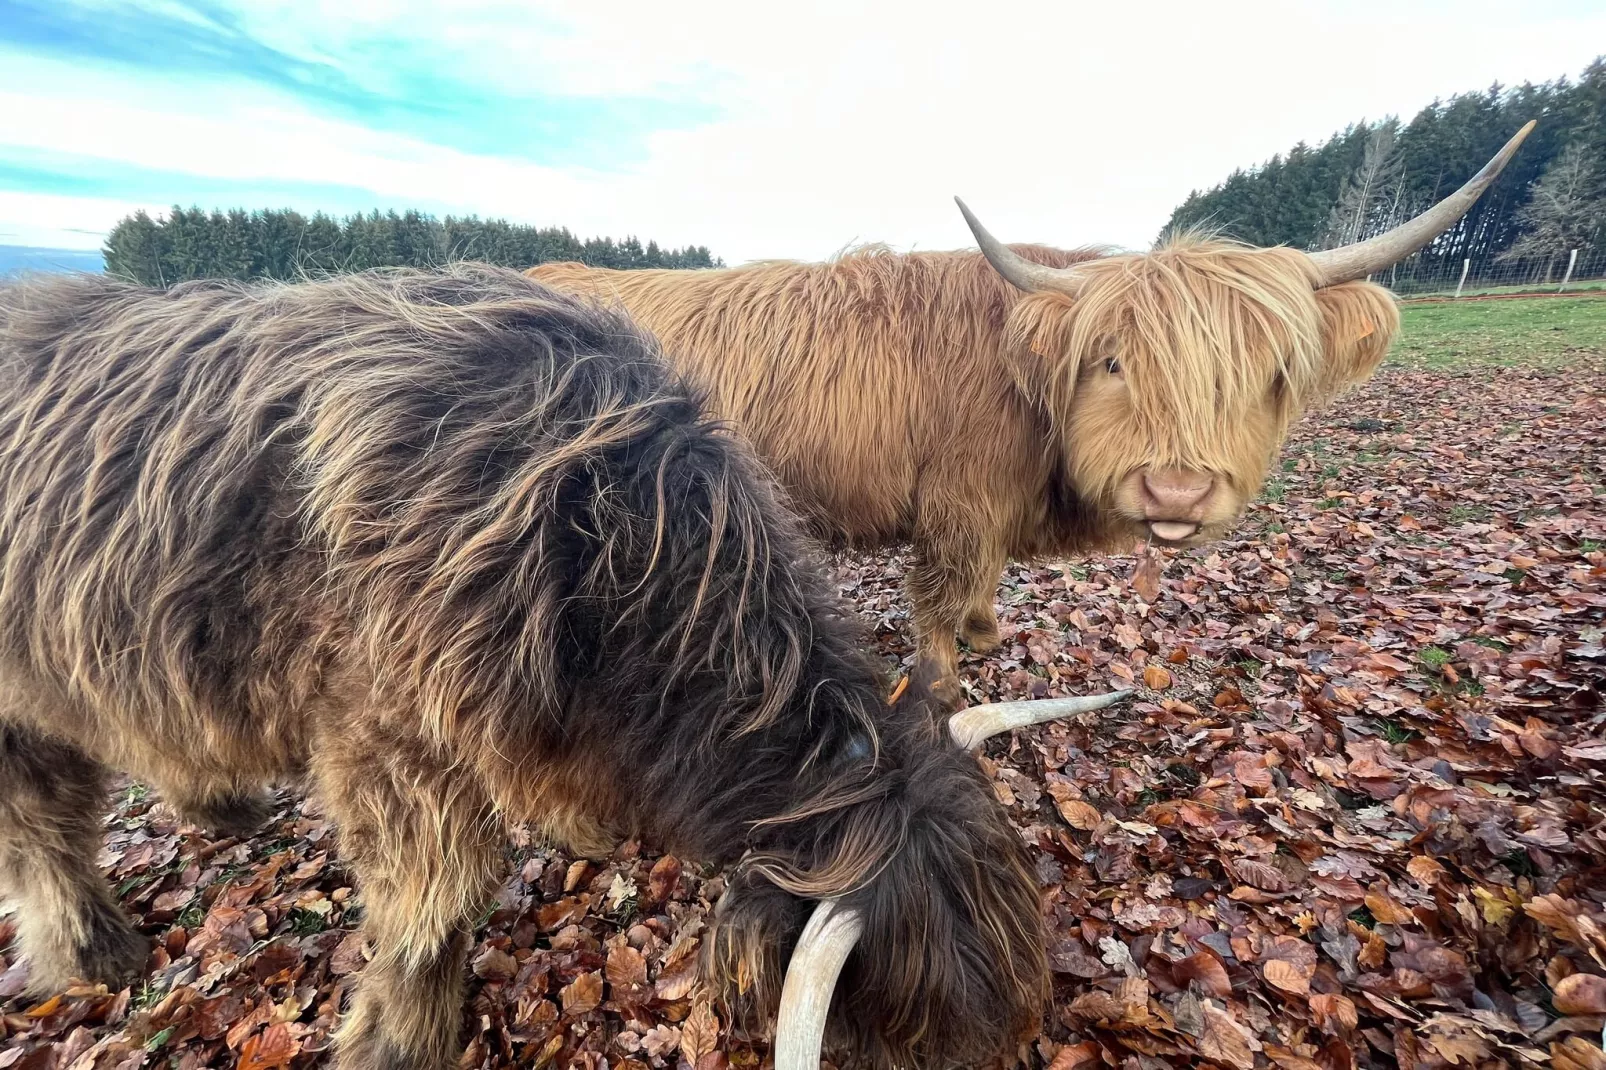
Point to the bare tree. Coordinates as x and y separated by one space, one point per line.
1371 194
1562 213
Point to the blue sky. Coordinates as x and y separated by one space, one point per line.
760 130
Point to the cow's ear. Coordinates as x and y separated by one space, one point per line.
1039 349
1360 321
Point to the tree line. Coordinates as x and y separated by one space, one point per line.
283 244
1550 199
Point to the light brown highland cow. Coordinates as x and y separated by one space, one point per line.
1022 402
457 551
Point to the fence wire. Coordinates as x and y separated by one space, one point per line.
1427 276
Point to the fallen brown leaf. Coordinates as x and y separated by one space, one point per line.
1581 993
582 995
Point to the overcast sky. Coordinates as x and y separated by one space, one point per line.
757 129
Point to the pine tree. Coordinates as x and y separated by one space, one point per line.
283 244
1318 196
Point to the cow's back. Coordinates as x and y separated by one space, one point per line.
863 382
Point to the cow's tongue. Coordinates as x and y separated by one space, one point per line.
1172 530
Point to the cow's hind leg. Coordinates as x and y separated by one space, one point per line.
423 841
69 926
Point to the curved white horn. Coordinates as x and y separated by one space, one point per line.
811 976
970 727
1016 269
1361 259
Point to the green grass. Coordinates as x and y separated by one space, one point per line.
308 922
1434 657
1542 330
1395 732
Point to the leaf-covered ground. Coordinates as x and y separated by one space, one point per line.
1353 817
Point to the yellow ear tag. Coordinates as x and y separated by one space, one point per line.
1367 333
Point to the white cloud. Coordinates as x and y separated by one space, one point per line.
843 122
58 222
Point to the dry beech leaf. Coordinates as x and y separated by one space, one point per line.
1078 814
1156 678
1334 1013
1458 1045
1226 1040
493 964
1581 993
272 1049
699 1034
1385 908
1097 1006
1074 1056
626 966
1425 870
1146 577
1252 773
1262 875
1206 969
1287 976
583 995
665 875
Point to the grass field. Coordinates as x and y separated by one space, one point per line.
1541 331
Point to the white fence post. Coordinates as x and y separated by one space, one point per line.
1571 262
1466 265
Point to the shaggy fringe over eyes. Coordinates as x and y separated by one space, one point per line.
945 879
1206 329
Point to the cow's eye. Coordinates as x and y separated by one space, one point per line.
1112 366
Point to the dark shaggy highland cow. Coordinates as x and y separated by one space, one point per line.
459 551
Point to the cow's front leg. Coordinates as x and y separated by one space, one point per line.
69 926
951 585
421 838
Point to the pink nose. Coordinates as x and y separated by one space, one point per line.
1176 494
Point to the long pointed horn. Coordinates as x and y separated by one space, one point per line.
811 975
1016 269
1389 248
970 727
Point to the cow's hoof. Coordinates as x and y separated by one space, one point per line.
113 953
947 691
984 641
980 630
230 815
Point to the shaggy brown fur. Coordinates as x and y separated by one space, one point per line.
921 398
460 550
